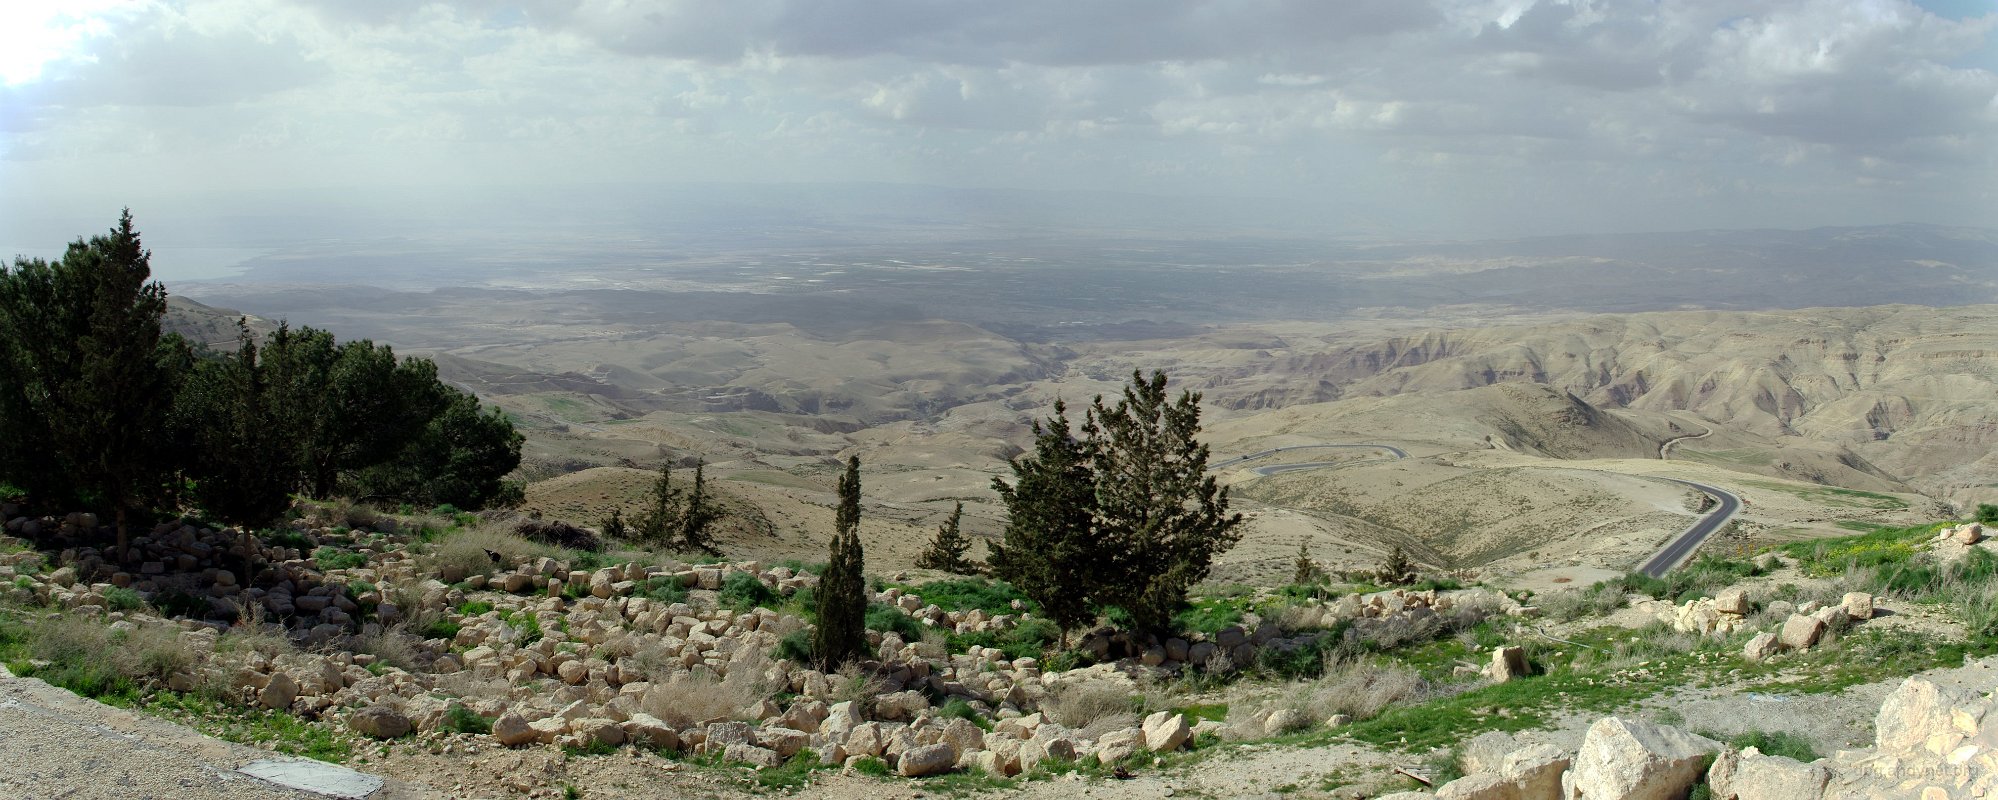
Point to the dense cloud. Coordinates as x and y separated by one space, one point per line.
1613 113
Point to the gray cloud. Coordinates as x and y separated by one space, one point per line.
1622 112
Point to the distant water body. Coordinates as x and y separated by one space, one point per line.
169 263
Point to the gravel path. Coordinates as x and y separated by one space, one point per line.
55 745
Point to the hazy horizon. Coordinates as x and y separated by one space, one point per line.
225 123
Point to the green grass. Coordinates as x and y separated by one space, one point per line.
441 629
335 558
275 730
1834 496
964 594
474 608
885 618
593 748
662 589
793 774
872 766
1701 577
1209 615
1881 547
1029 639
123 599
1777 743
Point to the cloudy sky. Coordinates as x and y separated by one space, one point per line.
1442 117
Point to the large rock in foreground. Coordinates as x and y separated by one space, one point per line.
1636 760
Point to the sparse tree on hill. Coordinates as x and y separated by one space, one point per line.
946 552
89 376
1306 571
1050 551
1161 516
841 635
697 514
1397 569
614 527
661 519
460 457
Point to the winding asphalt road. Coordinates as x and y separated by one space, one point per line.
1675 552
1681 548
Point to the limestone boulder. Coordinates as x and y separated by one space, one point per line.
1508 663
1750 775
1166 731
1731 601
1859 606
1762 647
924 760
380 722
1801 632
1916 710
1635 760
512 730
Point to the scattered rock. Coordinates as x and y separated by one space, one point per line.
929 759
1762 647
1634 760
380 722
512 730
1508 663
1166 731
1801 631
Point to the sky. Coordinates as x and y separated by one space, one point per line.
1452 118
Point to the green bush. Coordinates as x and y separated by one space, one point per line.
123 599
1210 614
1777 743
796 646
461 720
287 538
329 558
1987 513
176 603
474 608
958 708
888 619
871 766
742 591
964 594
441 629
1307 660
803 567
1029 639
662 589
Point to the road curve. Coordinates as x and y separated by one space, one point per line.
1398 454
1681 548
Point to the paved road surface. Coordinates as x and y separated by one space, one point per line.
1680 549
57 746
1675 552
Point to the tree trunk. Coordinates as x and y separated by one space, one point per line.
124 542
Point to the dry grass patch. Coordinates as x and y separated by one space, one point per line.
1361 689
691 698
466 550
1086 706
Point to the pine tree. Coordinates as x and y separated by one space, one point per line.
1050 551
241 466
91 375
1161 516
1305 571
697 514
841 635
946 552
1397 569
661 519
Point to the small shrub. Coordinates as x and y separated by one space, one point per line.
871 766
123 599
690 698
441 629
964 594
662 589
331 558
742 591
1771 743
1079 706
957 708
288 538
557 533
796 647
888 619
461 720
473 608
1602 599
804 568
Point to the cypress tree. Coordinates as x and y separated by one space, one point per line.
1050 551
841 635
661 520
697 514
1161 517
92 375
946 551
